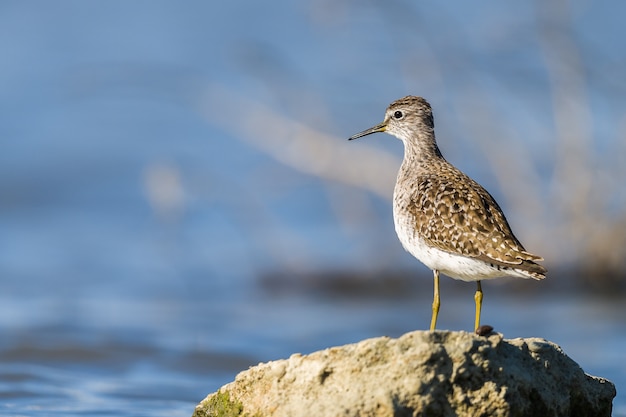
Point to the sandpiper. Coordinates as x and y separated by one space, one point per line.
444 218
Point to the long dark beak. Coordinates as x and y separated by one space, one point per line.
378 128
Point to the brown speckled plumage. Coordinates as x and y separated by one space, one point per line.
444 218
454 213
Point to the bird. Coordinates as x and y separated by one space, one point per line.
444 218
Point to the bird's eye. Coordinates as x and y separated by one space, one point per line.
398 115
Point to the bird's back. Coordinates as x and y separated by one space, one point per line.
442 214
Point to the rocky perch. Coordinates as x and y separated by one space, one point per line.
422 373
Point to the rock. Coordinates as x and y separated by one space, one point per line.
422 373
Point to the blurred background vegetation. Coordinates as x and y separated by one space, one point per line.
149 140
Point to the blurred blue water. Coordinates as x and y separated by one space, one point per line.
160 355
136 235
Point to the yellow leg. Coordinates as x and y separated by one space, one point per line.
478 298
436 302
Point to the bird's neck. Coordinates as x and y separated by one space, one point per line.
420 152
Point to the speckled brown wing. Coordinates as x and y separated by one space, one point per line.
456 214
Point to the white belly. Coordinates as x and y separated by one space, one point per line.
455 266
